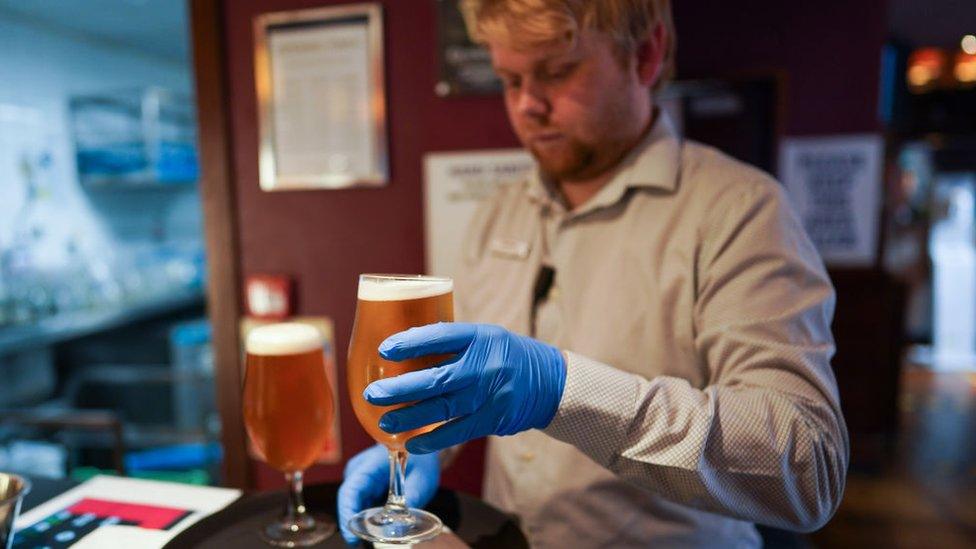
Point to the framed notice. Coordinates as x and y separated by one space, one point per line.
321 101
835 185
455 184
465 67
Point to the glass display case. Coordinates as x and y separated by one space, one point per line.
134 137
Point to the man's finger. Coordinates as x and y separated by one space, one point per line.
432 410
432 339
453 432
418 385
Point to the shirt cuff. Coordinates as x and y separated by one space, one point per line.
596 409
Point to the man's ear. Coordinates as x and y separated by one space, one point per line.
650 55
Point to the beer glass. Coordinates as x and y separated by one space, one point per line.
288 413
388 304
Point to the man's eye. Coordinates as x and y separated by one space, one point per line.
559 73
511 83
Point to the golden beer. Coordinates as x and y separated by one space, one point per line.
288 408
388 304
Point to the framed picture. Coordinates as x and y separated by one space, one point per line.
465 67
835 185
321 100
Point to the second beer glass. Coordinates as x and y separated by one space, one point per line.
388 304
288 413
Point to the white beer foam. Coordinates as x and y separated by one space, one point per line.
287 338
399 289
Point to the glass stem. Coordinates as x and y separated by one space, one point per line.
396 501
295 512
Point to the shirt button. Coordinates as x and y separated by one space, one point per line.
527 456
554 293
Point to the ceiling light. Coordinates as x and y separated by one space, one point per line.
968 44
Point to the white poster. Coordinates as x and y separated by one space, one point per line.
835 186
321 108
454 186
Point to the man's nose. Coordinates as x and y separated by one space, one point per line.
532 101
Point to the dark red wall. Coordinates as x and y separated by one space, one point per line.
327 238
828 51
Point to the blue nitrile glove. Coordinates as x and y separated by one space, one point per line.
499 383
366 482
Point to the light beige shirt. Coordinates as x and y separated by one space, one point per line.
695 315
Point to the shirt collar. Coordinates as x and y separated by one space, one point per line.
653 163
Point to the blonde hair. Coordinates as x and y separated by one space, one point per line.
523 24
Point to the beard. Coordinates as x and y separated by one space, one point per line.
570 160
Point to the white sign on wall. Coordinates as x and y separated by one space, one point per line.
454 185
835 186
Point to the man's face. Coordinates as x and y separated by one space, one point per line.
576 109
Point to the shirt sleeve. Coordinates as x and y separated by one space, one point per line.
764 440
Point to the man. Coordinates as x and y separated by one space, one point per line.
671 382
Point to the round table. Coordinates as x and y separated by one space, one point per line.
472 522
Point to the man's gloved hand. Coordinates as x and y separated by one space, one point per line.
499 383
367 480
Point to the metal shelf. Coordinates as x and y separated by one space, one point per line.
67 326
140 184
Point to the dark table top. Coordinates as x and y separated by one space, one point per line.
472 522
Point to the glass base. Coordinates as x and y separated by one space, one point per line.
301 533
398 527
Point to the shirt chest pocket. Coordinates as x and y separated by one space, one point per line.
498 285
624 311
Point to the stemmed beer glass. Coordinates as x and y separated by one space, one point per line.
388 304
288 413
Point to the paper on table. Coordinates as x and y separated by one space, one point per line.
122 536
197 501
